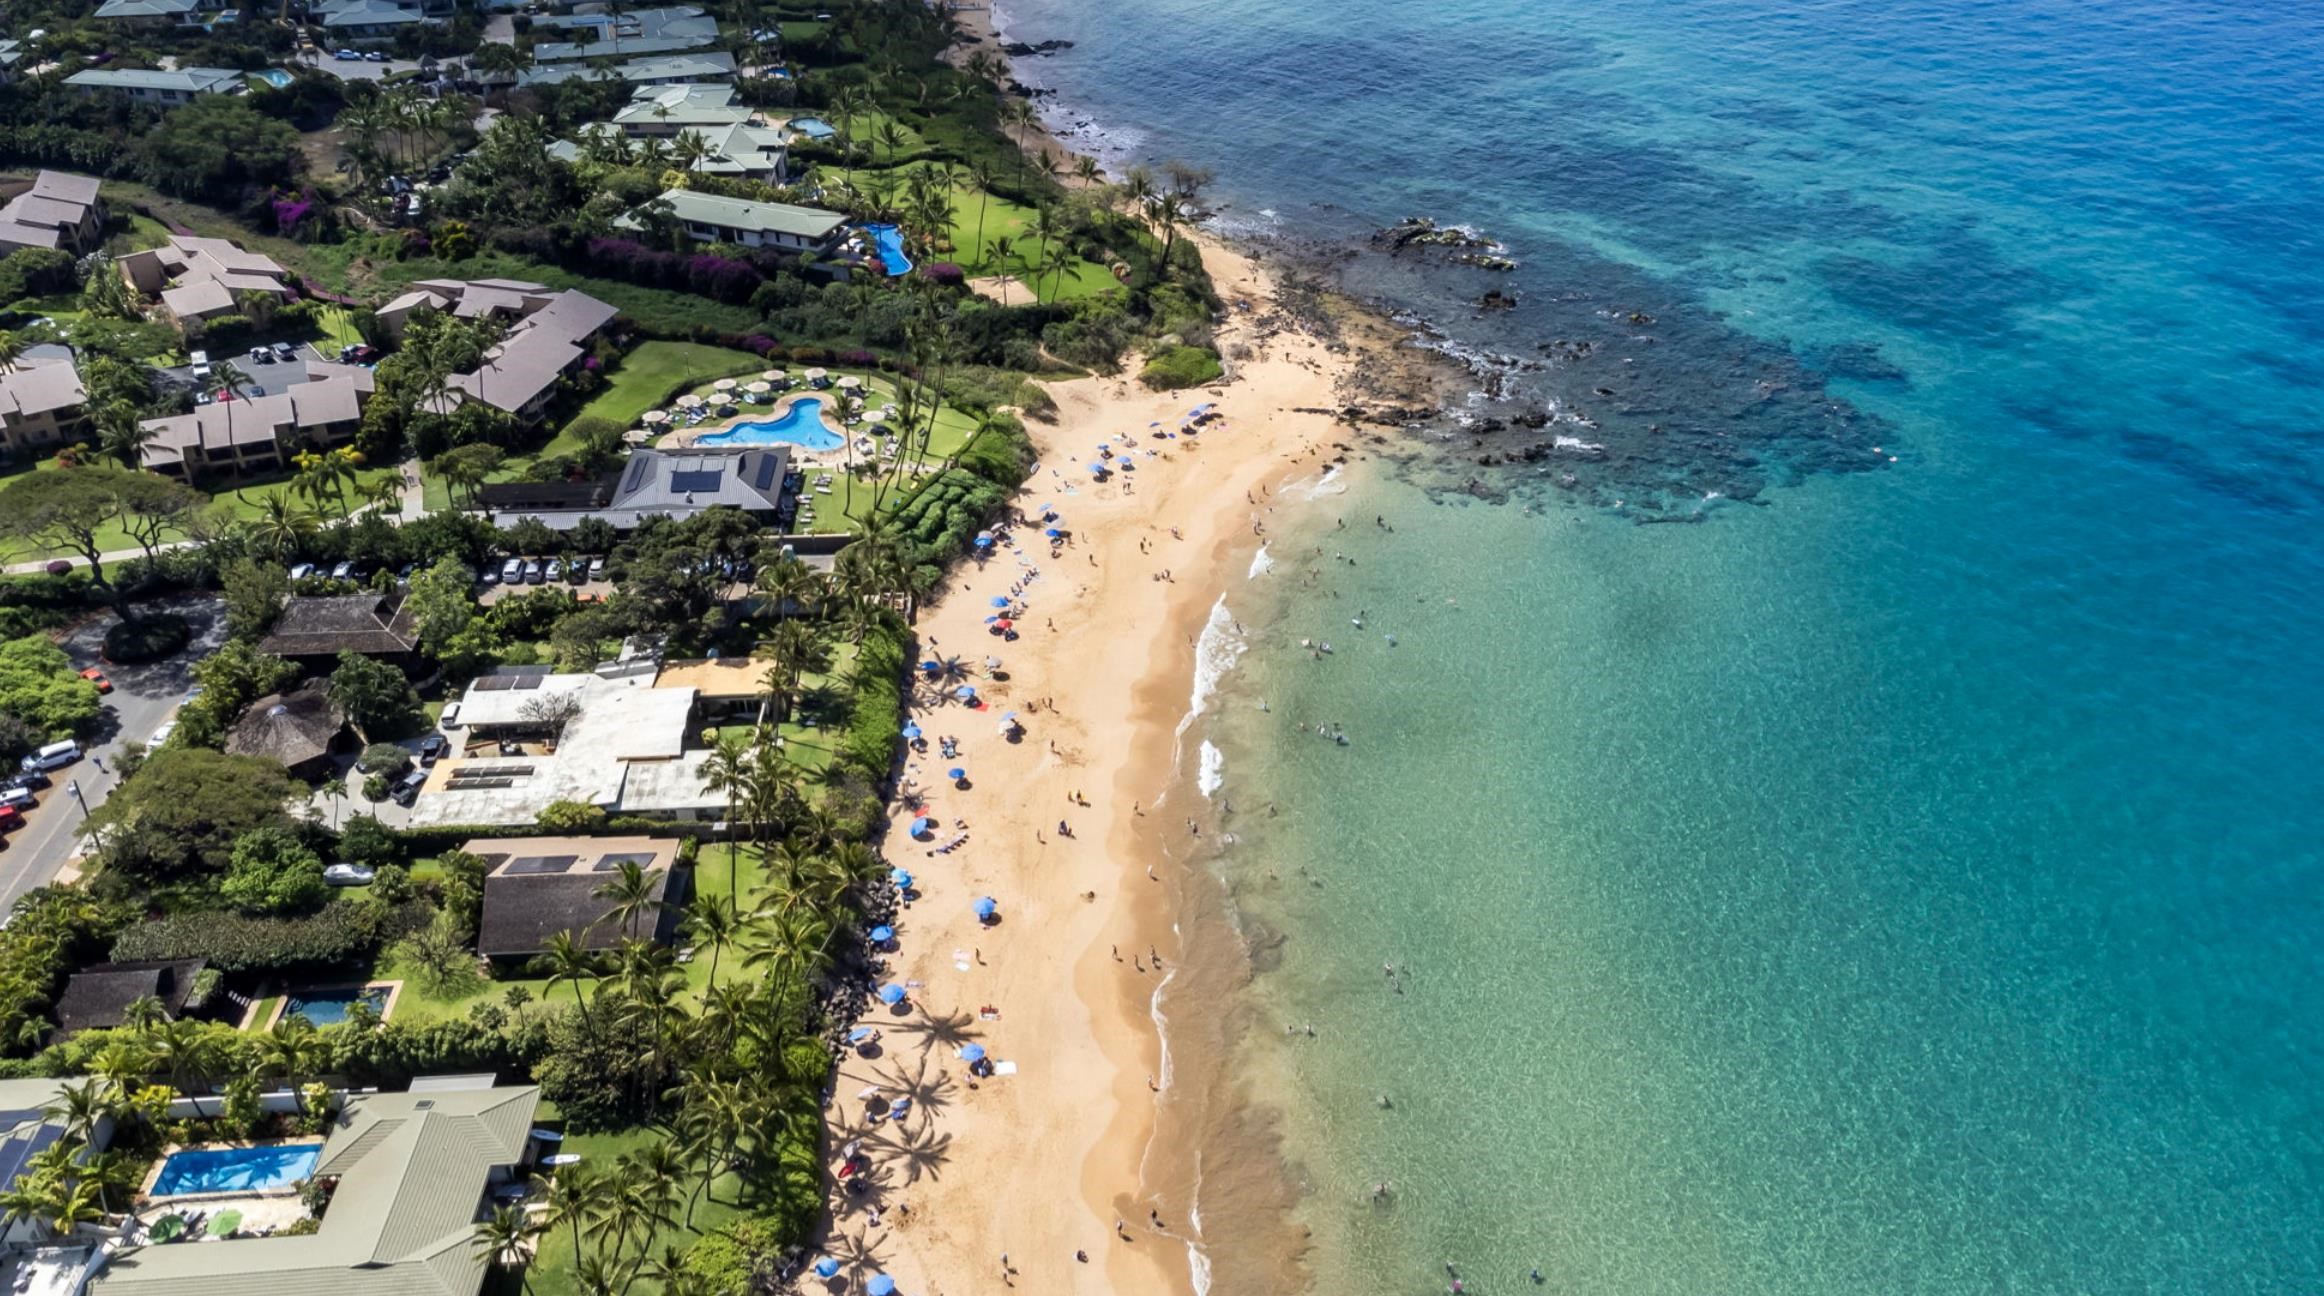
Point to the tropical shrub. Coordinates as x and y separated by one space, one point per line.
53 930
876 708
1183 366
341 933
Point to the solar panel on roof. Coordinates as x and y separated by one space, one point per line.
22 1147
530 682
543 863
612 863
693 483
769 465
495 683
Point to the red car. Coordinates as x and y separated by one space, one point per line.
11 818
97 677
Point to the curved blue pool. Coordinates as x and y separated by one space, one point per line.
242 1169
891 244
814 128
801 425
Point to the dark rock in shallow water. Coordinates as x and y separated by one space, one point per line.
1019 49
1498 300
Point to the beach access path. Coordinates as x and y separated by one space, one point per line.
1041 1160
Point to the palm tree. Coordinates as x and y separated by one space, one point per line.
287 1051
577 1197
570 964
505 1239
632 891
1086 170
81 1108
712 921
281 526
1169 212
120 433
1000 253
797 648
890 135
726 770
689 150
185 1051
229 378
11 350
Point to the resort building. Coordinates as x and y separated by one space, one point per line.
626 35
42 402
548 332
412 1173
162 13
60 211
11 53
27 1130
357 21
100 998
196 278
673 69
726 689
536 887
711 218
666 110
607 739
260 434
302 730
652 483
314 629
152 86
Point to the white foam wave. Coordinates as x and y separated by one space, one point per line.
1214 766
1198 1268
1261 563
1161 1028
1328 484
1215 653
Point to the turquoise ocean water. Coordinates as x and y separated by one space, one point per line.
1907 878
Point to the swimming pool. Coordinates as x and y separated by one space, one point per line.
801 425
329 1007
891 244
230 1169
813 127
275 77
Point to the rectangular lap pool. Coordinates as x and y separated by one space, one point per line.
328 1007
244 1169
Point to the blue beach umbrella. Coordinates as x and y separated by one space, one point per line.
880 1285
911 731
956 773
966 693
883 934
1097 468
1055 534
984 542
984 906
921 825
998 601
827 1268
932 666
901 878
891 993
972 1053
859 1034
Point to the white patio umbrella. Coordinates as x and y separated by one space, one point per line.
850 381
655 416
759 388
689 402
724 384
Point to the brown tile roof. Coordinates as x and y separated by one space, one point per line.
326 625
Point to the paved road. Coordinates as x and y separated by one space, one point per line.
142 698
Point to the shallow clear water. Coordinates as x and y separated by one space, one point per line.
243 1169
801 425
1907 884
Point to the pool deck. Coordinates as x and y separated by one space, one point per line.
774 411
282 1001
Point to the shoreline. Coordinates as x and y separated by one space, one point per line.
1102 696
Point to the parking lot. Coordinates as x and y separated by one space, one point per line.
271 374
142 699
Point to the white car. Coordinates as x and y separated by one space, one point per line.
161 735
347 875
201 363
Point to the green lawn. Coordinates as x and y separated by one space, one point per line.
973 246
551 1272
143 232
239 501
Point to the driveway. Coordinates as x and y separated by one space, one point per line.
352 70
142 698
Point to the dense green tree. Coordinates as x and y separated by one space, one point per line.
39 687
187 807
272 871
378 700
216 146
232 678
254 594
79 510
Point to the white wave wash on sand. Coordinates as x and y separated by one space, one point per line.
1213 771
1261 563
1215 653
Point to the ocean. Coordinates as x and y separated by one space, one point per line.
1843 800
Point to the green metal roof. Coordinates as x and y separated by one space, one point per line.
743 214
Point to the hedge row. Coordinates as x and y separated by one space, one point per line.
341 933
54 930
875 714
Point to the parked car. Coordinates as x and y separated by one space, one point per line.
347 56
513 571
556 570
284 353
344 571
345 874
11 818
374 56
432 748
33 779
403 574
451 717
300 571
161 735
253 394
357 353
262 355
56 755
597 569
97 677
19 798
577 571
407 788
200 361
535 572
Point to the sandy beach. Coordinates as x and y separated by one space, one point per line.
1042 1159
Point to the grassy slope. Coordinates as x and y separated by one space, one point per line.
244 501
